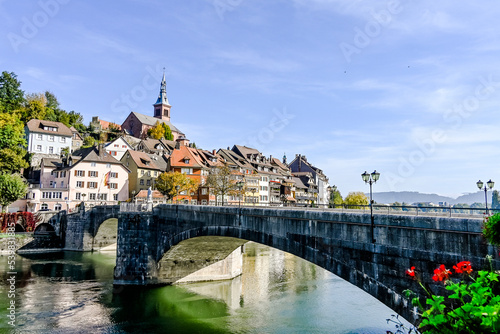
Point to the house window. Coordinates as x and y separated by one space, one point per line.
79 184
193 202
79 173
156 173
142 173
124 146
56 174
263 198
51 138
186 170
186 161
45 206
103 197
149 173
108 165
63 174
204 191
92 196
57 194
62 184
148 182
92 164
39 136
47 195
38 147
92 173
51 150
51 183
141 182
203 202
115 197
116 145
263 188
78 196
113 186
92 185
62 139
113 175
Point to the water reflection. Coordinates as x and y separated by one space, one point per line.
277 293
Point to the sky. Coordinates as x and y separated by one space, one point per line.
409 88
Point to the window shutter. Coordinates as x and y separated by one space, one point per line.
88 184
75 172
96 174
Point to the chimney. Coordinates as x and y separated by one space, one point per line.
213 151
100 150
300 161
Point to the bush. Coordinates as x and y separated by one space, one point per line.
491 229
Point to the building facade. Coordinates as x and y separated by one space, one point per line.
47 137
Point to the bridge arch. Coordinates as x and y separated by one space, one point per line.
338 242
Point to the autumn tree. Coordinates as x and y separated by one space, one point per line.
166 183
355 199
88 141
157 131
12 143
223 181
12 188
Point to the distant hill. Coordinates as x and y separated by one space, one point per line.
416 197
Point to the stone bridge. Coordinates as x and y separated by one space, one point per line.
338 242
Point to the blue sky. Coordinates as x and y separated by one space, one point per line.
408 88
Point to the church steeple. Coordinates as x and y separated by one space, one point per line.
162 107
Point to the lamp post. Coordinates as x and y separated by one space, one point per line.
489 185
371 179
240 185
133 195
177 187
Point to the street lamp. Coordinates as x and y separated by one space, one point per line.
240 185
489 185
177 187
371 179
133 195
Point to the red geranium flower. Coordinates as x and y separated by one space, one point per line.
411 272
463 267
441 273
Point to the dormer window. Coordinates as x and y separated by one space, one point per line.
186 161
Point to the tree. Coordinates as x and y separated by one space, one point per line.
495 200
157 131
354 199
12 142
11 96
397 206
34 108
335 199
222 181
166 184
12 188
88 141
168 132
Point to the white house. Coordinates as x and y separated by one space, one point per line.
47 137
118 147
90 175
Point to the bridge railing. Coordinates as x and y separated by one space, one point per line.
410 210
135 207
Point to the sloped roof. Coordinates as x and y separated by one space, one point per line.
178 157
37 126
142 160
92 154
150 120
159 161
105 125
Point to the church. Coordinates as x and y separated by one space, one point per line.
137 124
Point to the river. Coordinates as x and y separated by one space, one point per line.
277 293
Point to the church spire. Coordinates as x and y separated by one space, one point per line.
162 97
162 107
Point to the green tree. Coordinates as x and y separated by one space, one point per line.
355 199
167 182
397 206
88 141
12 144
335 199
11 96
12 188
222 181
167 132
495 200
34 107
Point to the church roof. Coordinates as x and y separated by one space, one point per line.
162 97
150 120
